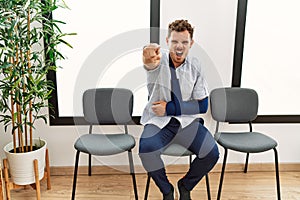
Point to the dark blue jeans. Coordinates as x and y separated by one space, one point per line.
194 137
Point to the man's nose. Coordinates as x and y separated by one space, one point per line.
179 45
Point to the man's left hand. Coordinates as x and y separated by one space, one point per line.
159 108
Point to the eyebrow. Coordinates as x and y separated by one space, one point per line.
184 41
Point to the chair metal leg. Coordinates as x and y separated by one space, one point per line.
246 163
147 187
132 174
277 174
75 175
207 187
222 174
90 165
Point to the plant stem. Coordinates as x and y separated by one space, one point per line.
13 111
29 67
24 90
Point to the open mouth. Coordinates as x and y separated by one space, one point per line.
179 53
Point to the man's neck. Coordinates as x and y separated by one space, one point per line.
176 65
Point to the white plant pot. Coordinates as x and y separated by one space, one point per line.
21 165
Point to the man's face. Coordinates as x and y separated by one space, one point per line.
179 44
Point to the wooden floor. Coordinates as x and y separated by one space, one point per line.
237 186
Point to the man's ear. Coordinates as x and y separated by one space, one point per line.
167 40
192 42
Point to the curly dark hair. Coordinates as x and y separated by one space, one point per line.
179 26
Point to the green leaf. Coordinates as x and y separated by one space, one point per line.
5 65
18 82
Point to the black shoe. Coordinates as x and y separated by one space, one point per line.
170 195
184 194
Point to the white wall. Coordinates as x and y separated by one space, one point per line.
61 138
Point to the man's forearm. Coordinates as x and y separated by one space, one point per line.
187 107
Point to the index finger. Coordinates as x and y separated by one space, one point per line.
156 102
157 51
152 46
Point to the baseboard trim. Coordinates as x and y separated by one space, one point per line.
181 168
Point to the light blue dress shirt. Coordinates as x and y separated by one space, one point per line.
192 85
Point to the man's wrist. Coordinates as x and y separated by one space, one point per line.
170 108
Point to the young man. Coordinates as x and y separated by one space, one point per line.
171 115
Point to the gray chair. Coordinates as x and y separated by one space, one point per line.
239 105
177 150
106 106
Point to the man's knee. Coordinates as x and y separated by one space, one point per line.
147 147
144 148
214 154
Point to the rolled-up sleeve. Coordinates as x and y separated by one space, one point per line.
200 88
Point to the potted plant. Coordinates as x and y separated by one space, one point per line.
24 88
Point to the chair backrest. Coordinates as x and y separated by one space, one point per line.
234 104
108 106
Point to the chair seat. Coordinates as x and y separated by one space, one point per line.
104 144
248 142
176 150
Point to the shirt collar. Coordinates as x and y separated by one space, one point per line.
171 64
